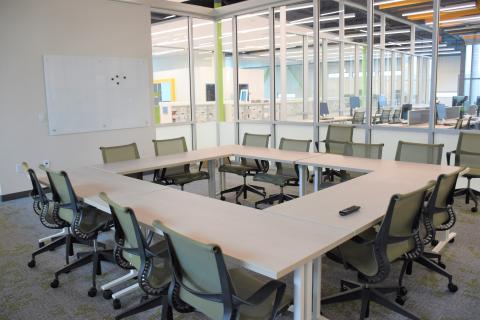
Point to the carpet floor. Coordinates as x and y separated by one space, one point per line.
26 294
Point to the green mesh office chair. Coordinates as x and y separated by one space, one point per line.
372 253
122 153
337 137
47 211
362 150
286 175
179 175
150 261
419 152
358 117
467 155
85 224
201 279
458 124
247 167
384 116
397 113
438 215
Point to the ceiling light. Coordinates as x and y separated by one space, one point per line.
386 2
462 20
453 8
324 19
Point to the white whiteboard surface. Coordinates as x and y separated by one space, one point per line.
86 94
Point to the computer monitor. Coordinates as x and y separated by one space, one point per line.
324 109
354 102
458 101
405 108
382 102
441 111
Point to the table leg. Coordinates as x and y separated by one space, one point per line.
317 288
211 181
317 178
302 180
302 282
222 175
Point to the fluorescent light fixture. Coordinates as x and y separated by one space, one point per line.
452 8
386 2
182 28
323 19
329 13
169 17
440 50
448 53
461 20
364 34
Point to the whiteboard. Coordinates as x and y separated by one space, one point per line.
85 94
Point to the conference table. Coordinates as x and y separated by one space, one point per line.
279 240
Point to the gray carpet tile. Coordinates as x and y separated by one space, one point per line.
25 293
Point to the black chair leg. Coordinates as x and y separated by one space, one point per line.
144 306
384 301
349 295
51 246
436 268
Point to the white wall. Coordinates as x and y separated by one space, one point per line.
448 73
32 28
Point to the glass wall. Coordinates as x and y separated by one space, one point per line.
224 76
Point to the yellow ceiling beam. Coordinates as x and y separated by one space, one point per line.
448 15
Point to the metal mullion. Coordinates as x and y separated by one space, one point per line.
236 104
370 21
433 88
411 66
271 23
382 54
316 62
341 62
191 65
215 70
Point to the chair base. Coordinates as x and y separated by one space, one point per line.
470 194
243 189
369 293
107 287
280 197
95 257
148 304
426 260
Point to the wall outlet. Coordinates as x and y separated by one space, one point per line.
46 163
19 168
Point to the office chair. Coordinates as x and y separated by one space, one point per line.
354 104
384 116
151 261
200 278
467 155
438 215
247 167
286 175
396 116
405 108
122 153
459 124
358 117
180 175
362 150
85 223
337 137
324 109
419 152
47 212
372 253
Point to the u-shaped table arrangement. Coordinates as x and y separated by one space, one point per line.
289 237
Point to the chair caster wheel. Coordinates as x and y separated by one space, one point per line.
54 284
403 291
31 263
400 300
343 288
222 198
441 265
41 244
451 240
270 202
107 294
474 209
92 292
238 202
144 298
116 304
452 287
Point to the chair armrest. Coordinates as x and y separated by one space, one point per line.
449 153
263 293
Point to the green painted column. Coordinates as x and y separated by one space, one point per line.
219 73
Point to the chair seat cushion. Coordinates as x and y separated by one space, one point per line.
276 179
245 285
94 219
184 178
237 169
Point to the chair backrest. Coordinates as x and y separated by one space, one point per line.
127 232
396 115
468 150
337 136
441 111
364 150
405 108
358 117
324 109
254 140
199 268
419 152
473 110
120 153
398 235
385 115
459 123
292 145
171 146
37 193
63 194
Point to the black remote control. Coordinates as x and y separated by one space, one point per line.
349 210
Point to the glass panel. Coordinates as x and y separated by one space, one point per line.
349 78
224 76
333 80
171 85
253 66
204 62
294 62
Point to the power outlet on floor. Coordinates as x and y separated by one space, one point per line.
46 163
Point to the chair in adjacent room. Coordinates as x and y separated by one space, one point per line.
419 152
358 117
122 153
179 175
247 167
200 278
47 212
324 112
438 215
286 175
85 223
151 261
338 136
467 155
372 253
458 124
384 116
397 113
354 104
